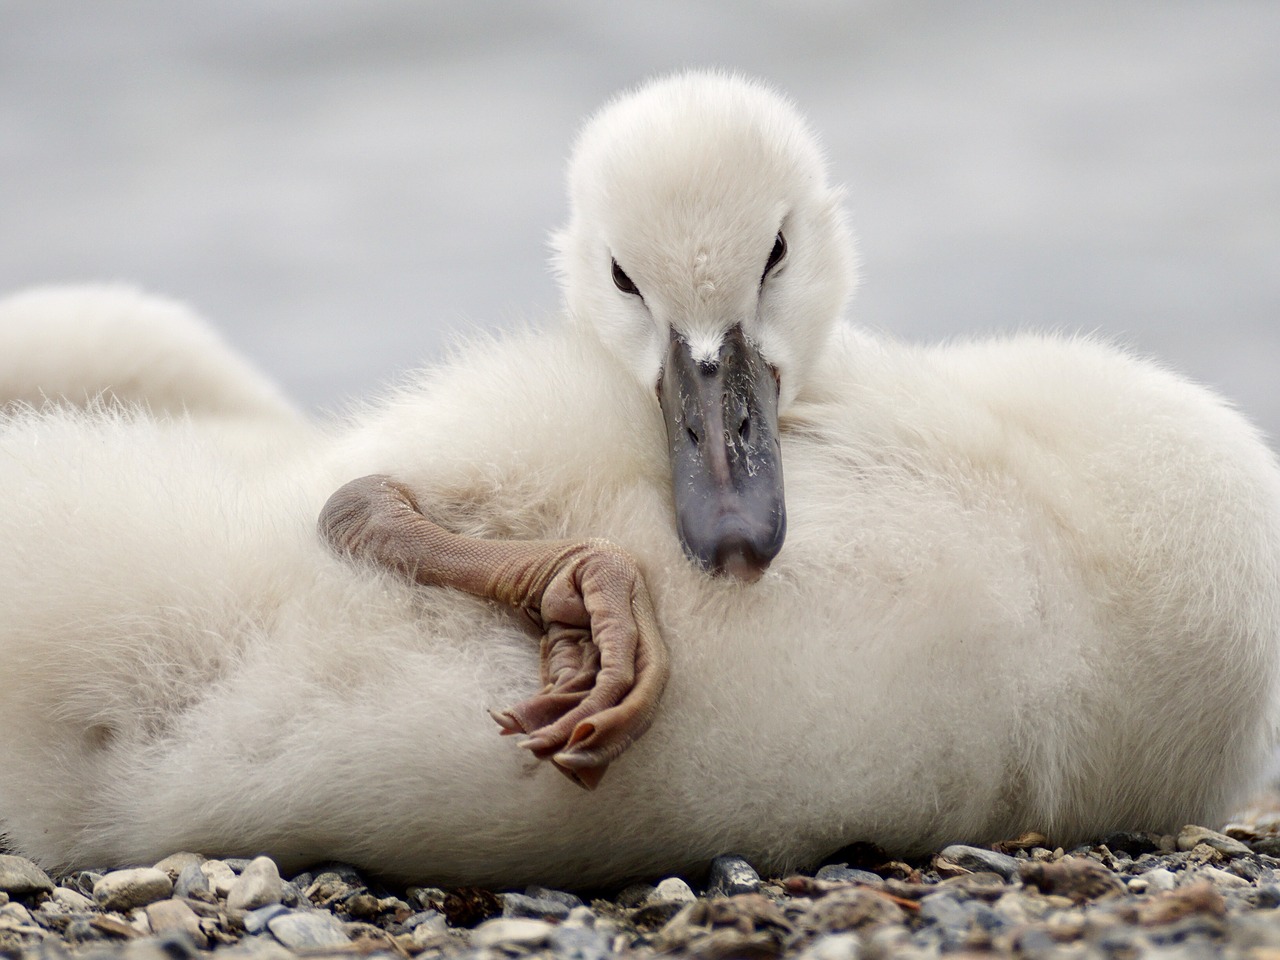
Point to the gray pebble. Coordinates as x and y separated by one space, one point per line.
1268 897
433 919
19 877
219 875
519 905
175 863
514 932
578 943
943 909
846 873
1158 880
259 884
980 861
255 921
166 916
193 883
237 864
72 900
123 890
730 876
302 931
1192 836
559 896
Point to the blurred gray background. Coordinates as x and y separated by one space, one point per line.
342 184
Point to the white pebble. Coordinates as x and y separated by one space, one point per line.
671 890
519 932
257 886
125 889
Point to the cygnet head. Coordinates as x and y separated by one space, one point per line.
707 250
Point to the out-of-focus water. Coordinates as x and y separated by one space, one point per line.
341 183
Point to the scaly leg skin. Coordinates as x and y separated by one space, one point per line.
604 665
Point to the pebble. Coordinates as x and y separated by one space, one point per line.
72 900
308 931
978 860
1153 881
731 875
672 890
578 943
842 871
1192 836
123 890
164 916
513 932
219 875
255 921
538 908
192 882
19 877
175 863
257 885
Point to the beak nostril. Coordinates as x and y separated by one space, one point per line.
744 431
693 436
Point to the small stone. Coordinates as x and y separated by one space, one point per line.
16 913
842 872
1079 879
977 860
309 930
237 864
584 916
1266 845
193 884
1195 899
578 943
730 876
1158 880
432 919
1192 836
1221 879
19 877
259 884
166 916
943 909
520 905
175 863
514 932
255 921
834 946
569 900
123 890
671 890
72 900
219 875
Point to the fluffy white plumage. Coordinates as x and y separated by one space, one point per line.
1027 584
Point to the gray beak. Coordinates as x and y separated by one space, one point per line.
726 467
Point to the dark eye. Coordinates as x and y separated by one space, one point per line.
775 255
622 281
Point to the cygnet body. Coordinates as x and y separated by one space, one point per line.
1026 584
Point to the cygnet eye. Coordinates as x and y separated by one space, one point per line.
622 281
775 255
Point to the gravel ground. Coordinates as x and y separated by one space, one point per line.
1199 893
